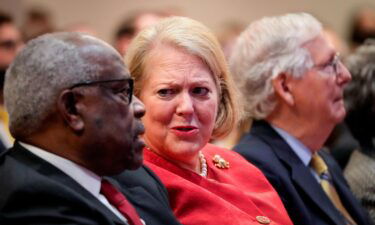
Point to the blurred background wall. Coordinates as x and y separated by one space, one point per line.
104 16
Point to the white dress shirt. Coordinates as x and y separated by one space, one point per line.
303 153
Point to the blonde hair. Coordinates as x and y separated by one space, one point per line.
198 40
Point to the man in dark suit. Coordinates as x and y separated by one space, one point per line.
76 124
292 81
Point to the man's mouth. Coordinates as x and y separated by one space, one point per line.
338 98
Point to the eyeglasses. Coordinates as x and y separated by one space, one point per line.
332 67
126 90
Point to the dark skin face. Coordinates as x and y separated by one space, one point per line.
107 126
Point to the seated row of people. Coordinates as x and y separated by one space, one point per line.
78 153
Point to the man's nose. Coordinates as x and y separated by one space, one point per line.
138 107
343 75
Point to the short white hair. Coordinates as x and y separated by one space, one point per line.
44 67
267 48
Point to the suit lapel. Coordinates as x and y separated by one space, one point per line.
299 173
53 173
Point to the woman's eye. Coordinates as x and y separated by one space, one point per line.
165 92
201 91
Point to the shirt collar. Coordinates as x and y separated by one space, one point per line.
300 149
86 178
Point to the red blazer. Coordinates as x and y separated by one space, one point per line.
237 195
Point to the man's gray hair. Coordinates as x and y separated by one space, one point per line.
267 48
46 66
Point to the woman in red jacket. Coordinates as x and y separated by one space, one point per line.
182 78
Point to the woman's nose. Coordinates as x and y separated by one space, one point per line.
185 104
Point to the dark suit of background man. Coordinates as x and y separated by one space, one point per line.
292 82
69 98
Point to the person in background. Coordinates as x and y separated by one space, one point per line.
38 21
182 77
76 122
10 44
359 99
131 27
292 80
362 25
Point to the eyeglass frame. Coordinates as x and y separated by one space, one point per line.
88 83
335 63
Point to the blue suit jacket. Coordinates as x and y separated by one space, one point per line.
302 195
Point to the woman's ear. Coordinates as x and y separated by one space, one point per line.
282 87
67 105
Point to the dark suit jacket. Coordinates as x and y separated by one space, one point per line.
302 195
32 191
148 195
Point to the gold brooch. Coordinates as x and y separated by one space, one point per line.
220 162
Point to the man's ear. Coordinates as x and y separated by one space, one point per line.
67 106
282 87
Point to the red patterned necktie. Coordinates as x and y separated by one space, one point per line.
118 200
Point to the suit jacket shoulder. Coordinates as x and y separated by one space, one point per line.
258 149
300 192
148 195
35 192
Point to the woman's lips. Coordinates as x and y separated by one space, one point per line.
185 131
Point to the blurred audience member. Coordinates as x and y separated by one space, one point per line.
360 101
10 44
132 25
338 43
38 21
363 25
293 81
228 36
182 78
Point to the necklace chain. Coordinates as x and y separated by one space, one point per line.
202 161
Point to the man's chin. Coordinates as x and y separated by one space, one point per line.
339 116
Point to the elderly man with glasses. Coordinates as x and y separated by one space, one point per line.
76 125
292 81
